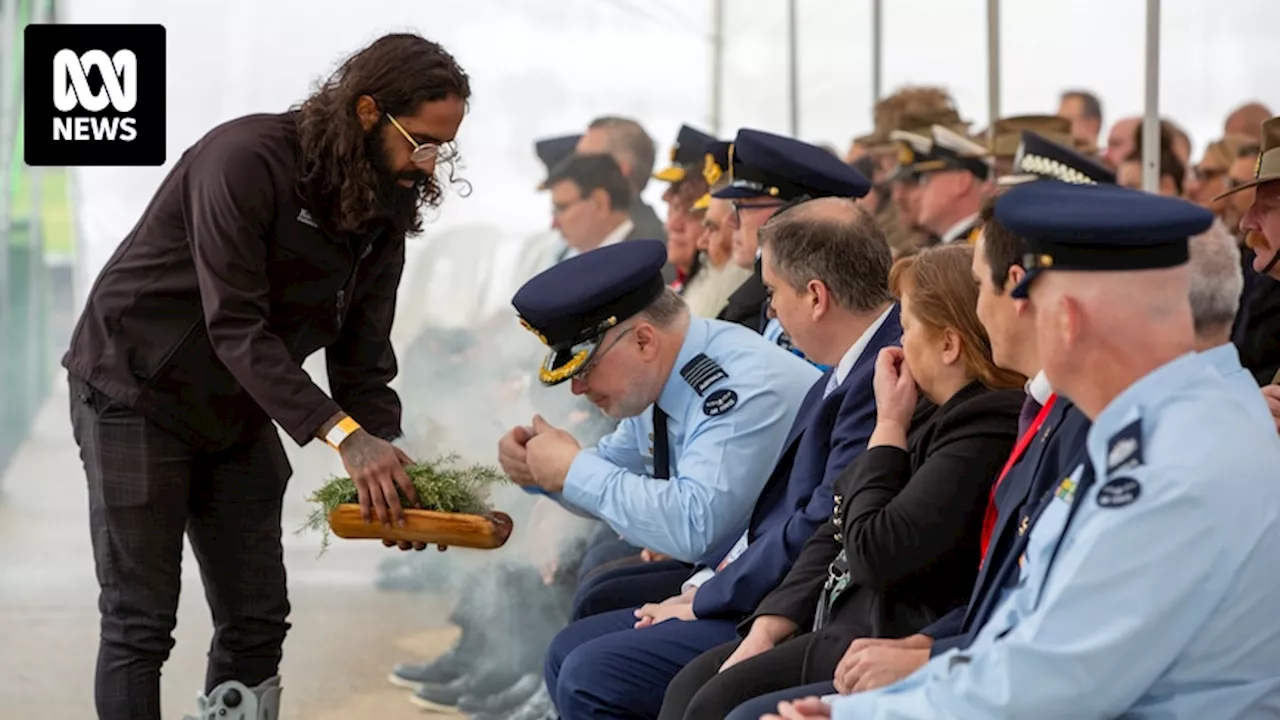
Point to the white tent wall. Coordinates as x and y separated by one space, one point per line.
544 67
537 69
1214 56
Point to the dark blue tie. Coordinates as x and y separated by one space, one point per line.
1030 408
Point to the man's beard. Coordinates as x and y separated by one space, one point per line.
395 201
632 404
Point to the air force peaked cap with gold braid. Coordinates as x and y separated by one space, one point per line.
571 305
766 165
686 155
715 170
1097 228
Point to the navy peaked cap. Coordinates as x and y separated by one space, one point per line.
571 305
552 151
1039 158
766 165
1097 228
686 155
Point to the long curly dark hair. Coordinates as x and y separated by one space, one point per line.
340 170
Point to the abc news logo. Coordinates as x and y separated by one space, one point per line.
71 90
94 94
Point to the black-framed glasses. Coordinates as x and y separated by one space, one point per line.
595 360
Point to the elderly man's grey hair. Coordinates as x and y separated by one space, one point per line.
1217 279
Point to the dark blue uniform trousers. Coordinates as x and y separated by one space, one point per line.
767 704
602 667
629 587
605 548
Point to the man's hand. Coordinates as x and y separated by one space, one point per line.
810 708
406 545
1271 393
513 456
377 469
685 597
649 556
549 454
870 663
671 609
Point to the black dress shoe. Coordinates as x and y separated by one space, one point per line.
502 702
453 664
487 680
537 707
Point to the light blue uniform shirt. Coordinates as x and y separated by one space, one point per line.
1163 600
1226 360
728 415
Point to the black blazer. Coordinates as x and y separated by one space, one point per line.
746 304
911 524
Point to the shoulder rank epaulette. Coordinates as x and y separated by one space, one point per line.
702 372
1124 449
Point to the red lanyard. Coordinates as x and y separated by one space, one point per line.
989 520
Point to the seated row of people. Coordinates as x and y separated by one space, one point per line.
929 497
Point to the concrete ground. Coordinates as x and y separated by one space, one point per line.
346 635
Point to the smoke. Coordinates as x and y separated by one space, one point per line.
462 390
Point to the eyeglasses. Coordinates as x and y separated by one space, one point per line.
595 361
1204 174
425 155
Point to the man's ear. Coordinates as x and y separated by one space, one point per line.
646 339
367 111
1070 321
1012 277
819 298
600 200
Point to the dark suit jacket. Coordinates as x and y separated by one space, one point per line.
1049 458
827 435
649 227
1256 332
647 224
911 526
746 304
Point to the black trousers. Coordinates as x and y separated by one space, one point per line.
701 692
146 489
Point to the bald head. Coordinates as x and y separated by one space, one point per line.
1247 120
1100 332
627 142
1121 140
830 209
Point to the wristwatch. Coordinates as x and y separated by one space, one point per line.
341 431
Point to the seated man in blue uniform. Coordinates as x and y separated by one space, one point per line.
826 264
704 405
767 171
1146 585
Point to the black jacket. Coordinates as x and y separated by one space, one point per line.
911 524
746 304
202 318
